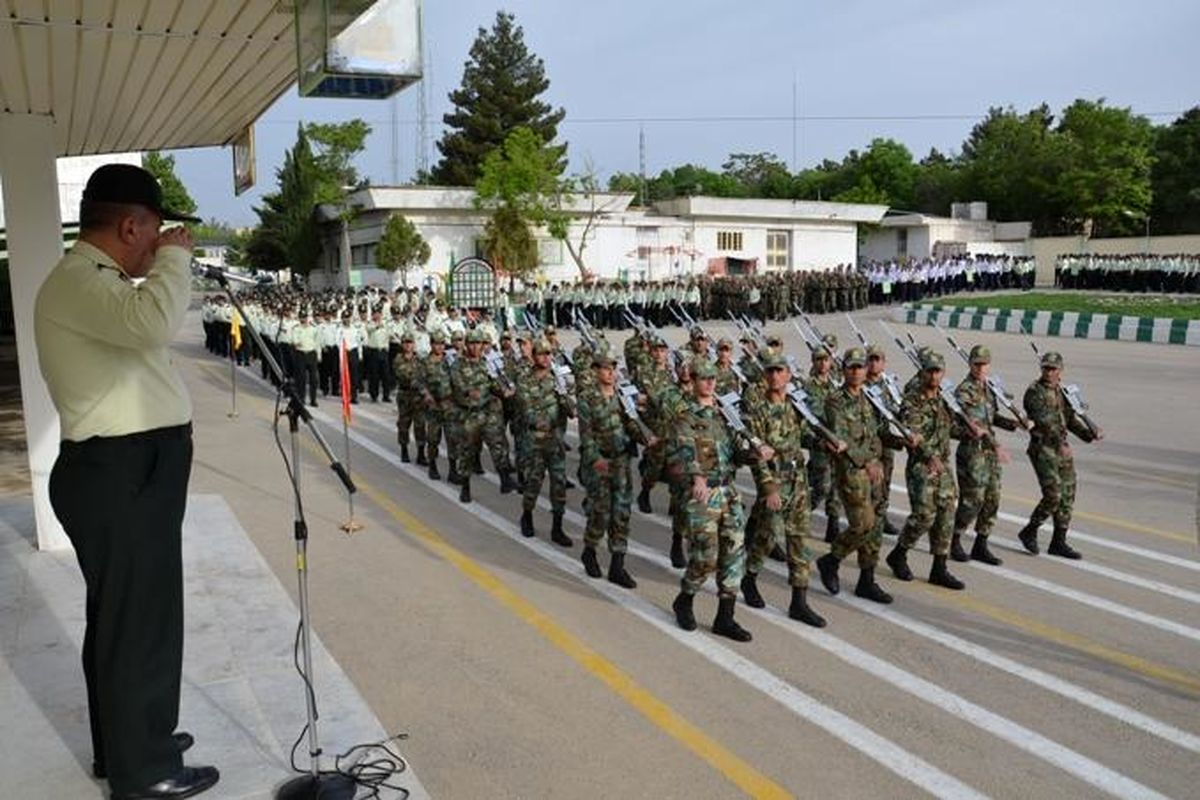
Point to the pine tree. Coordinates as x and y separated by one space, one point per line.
175 194
288 226
501 84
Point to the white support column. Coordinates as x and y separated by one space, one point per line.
29 180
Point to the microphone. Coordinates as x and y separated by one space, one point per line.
218 274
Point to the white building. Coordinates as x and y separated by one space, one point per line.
687 236
904 235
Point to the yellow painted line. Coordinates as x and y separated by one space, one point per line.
1136 664
736 770
1107 520
1151 476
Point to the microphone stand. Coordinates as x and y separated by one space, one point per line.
315 784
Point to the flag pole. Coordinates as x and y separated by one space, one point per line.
351 525
234 341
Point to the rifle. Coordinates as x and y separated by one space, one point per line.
495 368
564 379
727 404
1072 395
890 381
875 398
585 330
799 401
628 394
815 344
908 350
945 389
994 382
685 319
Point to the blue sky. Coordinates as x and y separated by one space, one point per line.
919 72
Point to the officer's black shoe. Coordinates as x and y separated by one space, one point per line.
507 486
682 607
956 549
187 782
556 531
183 740
980 552
435 474
404 454
678 559
940 576
421 460
1028 537
898 561
527 524
868 589
799 609
1059 547
777 553
464 494
724 623
590 565
889 529
644 502
617 573
831 530
827 566
750 591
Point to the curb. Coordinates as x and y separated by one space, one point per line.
1069 324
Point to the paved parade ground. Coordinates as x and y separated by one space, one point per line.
514 675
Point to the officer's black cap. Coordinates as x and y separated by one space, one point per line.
127 183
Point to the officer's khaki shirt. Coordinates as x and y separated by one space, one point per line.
103 343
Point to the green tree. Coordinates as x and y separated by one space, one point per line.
519 183
509 243
939 180
501 84
1175 176
175 194
289 234
759 175
1106 167
335 144
401 247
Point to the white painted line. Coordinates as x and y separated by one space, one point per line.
894 758
1085 769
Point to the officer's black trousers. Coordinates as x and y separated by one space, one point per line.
121 500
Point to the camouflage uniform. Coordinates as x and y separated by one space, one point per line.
976 461
441 412
478 397
541 407
410 402
1049 452
605 434
820 465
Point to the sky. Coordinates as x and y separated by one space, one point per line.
804 80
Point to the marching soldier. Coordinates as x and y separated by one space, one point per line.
409 400
820 385
1050 453
478 397
781 510
440 408
978 461
606 437
716 518
727 379
876 367
859 478
541 402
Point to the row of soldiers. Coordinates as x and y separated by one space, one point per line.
1175 273
696 416
912 280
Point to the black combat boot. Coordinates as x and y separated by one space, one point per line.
1028 537
890 529
678 559
404 454
827 566
868 589
956 549
799 609
506 482
477 465
898 561
435 474
556 531
644 501
464 494
590 565
683 611
1059 547
777 553
452 475
421 460
527 524
617 573
940 576
724 623
980 552
750 591
831 530
520 481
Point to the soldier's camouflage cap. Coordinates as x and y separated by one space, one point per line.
658 341
407 337
506 335
980 355
854 357
542 346
1052 360
875 351
774 360
703 368
820 354
603 358
437 338
476 335
522 336
932 361
457 336
696 333
774 341
725 342
549 330
830 341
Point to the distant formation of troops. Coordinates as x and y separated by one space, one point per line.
690 418
1178 273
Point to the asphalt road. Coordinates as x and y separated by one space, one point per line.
516 676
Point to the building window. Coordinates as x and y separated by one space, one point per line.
779 246
362 255
902 242
728 241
